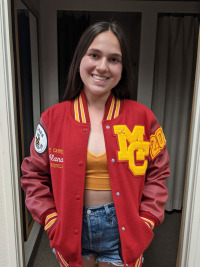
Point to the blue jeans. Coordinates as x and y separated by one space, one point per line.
100 234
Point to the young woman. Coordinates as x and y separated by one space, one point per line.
96 175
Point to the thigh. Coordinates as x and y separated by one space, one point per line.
91 262
106 264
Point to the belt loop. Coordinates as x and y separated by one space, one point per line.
107 209
108 213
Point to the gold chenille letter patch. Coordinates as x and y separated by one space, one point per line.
158 142
137 150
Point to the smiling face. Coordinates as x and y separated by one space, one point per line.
101 66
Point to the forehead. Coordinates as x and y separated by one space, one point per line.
106 41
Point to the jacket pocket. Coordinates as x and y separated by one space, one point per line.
142 237
52 230
147 231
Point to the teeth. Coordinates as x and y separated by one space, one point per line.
99 78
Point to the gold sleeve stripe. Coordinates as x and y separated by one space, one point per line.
49 224
76 110
51 216
62 259
148 221
82 110
111 109
117 109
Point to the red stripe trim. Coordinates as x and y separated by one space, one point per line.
107 108
117 108
50 216
50 220
49 224
148 222
76 110
83 97
80 109
111 109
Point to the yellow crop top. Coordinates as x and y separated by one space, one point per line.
96 174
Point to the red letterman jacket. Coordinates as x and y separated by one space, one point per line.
138 164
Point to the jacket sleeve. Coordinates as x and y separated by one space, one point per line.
36 179
155 193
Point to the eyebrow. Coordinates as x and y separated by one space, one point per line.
99 51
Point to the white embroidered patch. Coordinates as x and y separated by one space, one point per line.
40 140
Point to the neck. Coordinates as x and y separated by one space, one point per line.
96 101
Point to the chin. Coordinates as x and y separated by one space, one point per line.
98 91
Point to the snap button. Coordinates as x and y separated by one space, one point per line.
113 160
118 193
80 163
89 211
84 129
107 127
76 231
78 197
123 228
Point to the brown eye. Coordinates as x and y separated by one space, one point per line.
94 56
114 60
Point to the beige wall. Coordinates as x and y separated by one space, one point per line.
10 229
4 245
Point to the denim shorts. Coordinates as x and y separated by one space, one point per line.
100 234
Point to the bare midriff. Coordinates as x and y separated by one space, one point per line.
97 198
96 144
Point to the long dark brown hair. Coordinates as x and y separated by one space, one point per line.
74 82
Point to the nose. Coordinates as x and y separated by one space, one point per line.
102 65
